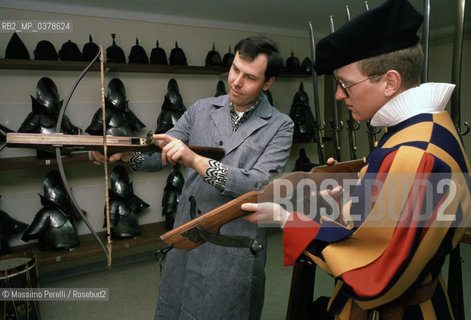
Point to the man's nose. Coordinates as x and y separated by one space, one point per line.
339 93
238 80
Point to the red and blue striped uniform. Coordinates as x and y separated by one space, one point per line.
400 239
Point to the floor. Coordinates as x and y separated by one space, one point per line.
133 289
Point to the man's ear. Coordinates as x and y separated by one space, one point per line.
393 83
268 83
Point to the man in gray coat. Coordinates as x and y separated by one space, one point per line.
211 281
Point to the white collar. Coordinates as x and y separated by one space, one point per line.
427 98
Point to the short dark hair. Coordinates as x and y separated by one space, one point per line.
249 48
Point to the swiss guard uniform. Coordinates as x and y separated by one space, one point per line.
412 203
394 261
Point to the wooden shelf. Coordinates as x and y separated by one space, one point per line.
19 64
150 234
28 162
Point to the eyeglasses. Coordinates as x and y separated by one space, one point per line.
345 87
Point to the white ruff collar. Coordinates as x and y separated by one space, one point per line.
427 98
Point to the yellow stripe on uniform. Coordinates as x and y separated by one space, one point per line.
424 253
445 121
372 238
421 131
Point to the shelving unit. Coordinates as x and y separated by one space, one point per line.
150 234
28 162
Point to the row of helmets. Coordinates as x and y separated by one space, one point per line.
120 119
54 226
70 51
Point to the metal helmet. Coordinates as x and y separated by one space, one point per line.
301 95
306 65
220 89
300 113
228 58
116 94
45 51
119 182
292 64
47 94
177 56
174 96
54 190
9 227
213 58
115 53
172 108
90 49
175 178
70 52
158 55
16 49
138 54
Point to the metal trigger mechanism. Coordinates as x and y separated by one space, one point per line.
149 139
160 254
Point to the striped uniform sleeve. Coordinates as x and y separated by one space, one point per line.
401 242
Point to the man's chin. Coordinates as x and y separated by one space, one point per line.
358 117
235 99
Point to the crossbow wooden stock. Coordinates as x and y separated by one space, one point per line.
69 142
206 227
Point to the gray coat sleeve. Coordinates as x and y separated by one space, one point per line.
272 161
153 162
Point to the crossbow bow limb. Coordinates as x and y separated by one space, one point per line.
60 165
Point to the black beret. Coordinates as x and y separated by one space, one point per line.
389 27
